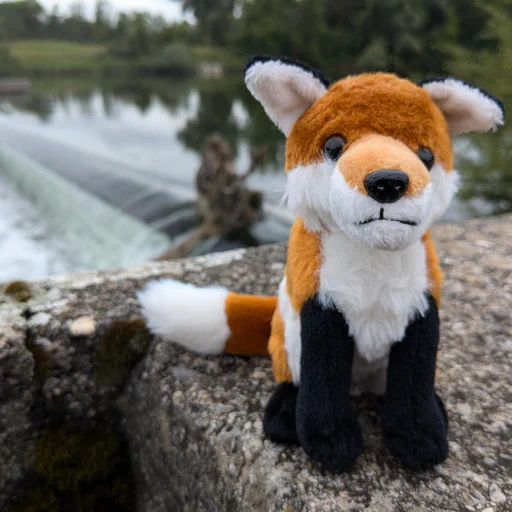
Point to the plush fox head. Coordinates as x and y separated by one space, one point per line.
369 155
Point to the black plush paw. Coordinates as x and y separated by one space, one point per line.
279 415
418 436
336 448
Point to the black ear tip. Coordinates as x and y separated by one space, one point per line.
257 59
439 79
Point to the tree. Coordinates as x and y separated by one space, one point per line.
53 27
102 27
21 20
123 26
140 38
472 17
76 27
406 42
265 26
343 36
214 19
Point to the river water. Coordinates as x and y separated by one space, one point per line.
101 174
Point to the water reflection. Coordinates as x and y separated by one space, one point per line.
154 116
222 106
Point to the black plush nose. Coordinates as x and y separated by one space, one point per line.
386 186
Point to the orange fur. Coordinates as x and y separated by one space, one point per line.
301 284
435 274
370 104
277 350
303 264
249 318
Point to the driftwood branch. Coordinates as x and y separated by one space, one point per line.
184 248
225 204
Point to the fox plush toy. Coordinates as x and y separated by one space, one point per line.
369 166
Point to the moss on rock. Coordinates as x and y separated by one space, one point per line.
19 290
79 470
42 362
121 347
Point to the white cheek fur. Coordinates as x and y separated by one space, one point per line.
319 194
307 194
445 185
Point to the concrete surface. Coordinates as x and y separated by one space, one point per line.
71 356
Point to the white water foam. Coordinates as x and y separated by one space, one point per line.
29 248
49 226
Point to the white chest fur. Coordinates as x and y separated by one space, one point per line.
378 291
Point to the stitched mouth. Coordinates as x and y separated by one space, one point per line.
381 217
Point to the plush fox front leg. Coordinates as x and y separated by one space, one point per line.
326 424
414 420
318 414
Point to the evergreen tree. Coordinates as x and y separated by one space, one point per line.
20 20
102 20
215 20
140 38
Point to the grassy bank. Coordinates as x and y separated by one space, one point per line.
231 63
42 57
48 57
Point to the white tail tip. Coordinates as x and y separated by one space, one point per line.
188 315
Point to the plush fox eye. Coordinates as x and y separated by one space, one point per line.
334 147
427 157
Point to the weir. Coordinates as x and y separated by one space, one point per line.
163 204
105 235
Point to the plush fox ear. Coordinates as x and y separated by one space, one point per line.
284 87
465 107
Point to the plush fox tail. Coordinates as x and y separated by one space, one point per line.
208 320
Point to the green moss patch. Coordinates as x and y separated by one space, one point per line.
19 290
121 347
83 471
42 361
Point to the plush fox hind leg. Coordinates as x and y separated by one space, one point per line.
369 167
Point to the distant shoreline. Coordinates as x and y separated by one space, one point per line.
43 57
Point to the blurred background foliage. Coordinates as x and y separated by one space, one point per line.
339 36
